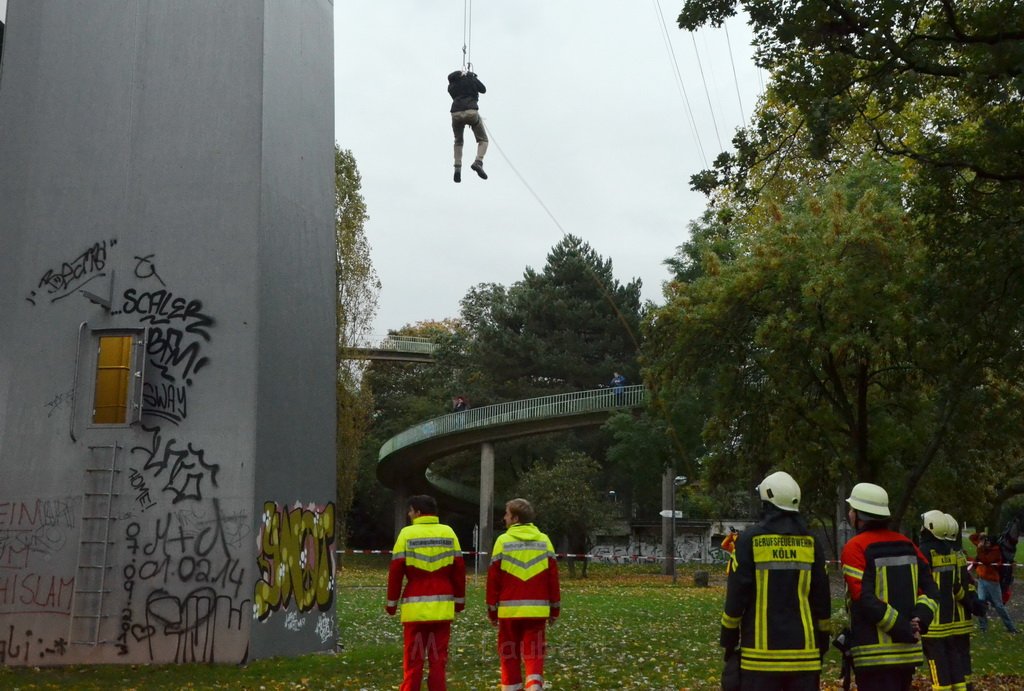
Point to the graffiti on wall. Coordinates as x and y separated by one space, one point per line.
183 583
184 628
179 567
26 648
59 401
31 533
688 548
73 274
295 558
186 468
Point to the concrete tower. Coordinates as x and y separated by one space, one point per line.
166 331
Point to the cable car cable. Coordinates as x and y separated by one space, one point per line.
735 79
667 39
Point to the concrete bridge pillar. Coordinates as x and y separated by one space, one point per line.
401 509
486 498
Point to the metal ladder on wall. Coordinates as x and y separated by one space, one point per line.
92 584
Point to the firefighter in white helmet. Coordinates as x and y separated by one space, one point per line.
777 603
945 665
968 600
885 632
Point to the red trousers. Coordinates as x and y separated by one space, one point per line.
425 641
521 644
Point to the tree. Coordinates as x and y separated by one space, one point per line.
403 394
357 281
933 89
951 68
824 347
357 290
565 328
568 500
641 451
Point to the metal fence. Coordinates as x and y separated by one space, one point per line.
399 344
559 405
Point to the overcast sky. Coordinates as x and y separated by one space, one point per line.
583 101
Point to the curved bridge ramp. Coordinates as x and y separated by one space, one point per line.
404 460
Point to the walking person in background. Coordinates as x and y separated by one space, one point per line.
729 546
522 597
465 88
427 556
988 561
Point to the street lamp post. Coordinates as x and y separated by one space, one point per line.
678 481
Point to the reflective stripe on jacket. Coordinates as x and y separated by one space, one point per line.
522 580
962 625
428 556
888 583
945 565
777 602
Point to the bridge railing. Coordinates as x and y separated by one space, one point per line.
558 405
398 344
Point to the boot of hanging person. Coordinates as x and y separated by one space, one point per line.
478 166
458 174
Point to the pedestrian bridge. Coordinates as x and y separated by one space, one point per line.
394 348
404 460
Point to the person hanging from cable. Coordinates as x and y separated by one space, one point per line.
465 88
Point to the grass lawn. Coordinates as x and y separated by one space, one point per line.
625 627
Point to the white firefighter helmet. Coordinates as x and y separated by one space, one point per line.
934 522
781 490
952 529
870 499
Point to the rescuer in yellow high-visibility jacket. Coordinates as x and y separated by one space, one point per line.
522 597
777 604
427 556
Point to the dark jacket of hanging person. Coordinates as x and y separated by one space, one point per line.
464 88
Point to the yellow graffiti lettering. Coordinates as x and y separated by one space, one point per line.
296 559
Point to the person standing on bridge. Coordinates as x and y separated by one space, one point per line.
618 384
522 596
777 617
427 556
465 89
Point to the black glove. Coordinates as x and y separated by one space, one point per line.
823 640
731 671
902 631
729 638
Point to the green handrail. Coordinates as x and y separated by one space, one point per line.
558 405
